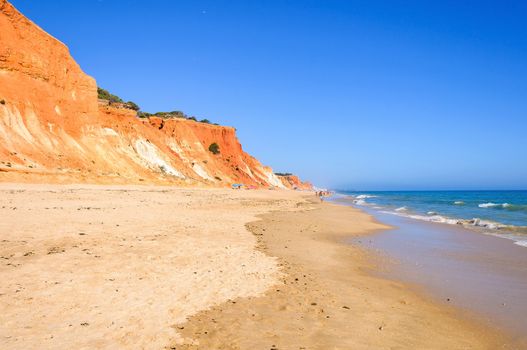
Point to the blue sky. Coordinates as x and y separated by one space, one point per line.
348 94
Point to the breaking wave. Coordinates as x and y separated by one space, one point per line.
433 217
365 196
494 205
506 206
361 199
502 214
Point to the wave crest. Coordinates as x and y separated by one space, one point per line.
506 206
493 205
365 196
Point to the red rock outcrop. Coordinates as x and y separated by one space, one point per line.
53 129
294 182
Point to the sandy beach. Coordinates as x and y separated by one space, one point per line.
328 298
175 185
117 267
159 267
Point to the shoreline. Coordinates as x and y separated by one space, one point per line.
487 226
483 275
330 297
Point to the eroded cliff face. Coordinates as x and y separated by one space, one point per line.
53 129
294 182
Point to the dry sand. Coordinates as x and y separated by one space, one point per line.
104 267
118 267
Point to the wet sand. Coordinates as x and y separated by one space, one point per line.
484 275
328 298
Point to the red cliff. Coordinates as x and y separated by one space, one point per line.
52 128
294 182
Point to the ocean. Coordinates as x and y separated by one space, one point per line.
502 213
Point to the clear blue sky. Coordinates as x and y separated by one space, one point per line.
350 94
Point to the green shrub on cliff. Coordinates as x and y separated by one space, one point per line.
105 95
166 115
177 114
132 105
141 114
214 148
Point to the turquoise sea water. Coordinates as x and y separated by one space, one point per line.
494 210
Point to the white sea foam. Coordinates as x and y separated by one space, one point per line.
361 199
484 226
494 205
365 196
485 223
432 218
492 225
437 218
488 205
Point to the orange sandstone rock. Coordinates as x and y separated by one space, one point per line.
53 129
294 182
